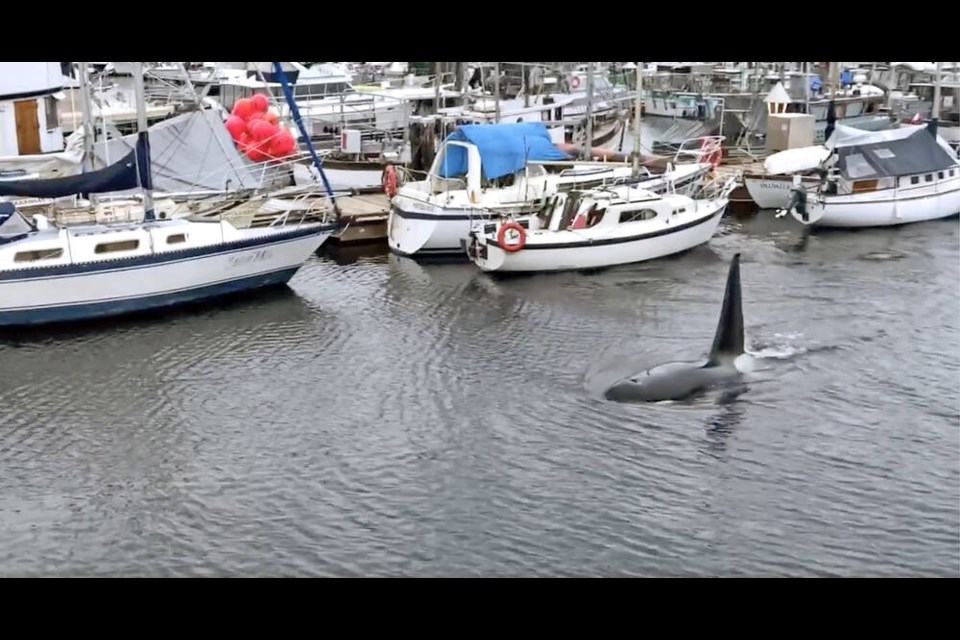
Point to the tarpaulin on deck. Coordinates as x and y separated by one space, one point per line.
917 153
504 148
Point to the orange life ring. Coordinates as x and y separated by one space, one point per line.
575 82
389 180
516 245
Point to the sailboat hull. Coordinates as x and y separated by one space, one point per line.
81 292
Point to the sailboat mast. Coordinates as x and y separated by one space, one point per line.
87 112
496 90
935 114
143 143
637 108
936 92
588 143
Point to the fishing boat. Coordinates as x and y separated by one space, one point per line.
483 171
56 273
882 178
599 228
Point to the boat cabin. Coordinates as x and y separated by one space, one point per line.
30 93
586 209
908 158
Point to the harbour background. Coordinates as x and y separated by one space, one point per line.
389 418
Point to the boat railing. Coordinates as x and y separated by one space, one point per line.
708 147
716 187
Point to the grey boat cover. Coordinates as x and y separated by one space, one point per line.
914 152
189 152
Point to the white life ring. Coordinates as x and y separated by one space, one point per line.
575 82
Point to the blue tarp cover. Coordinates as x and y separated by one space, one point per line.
504 148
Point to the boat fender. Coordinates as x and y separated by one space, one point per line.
389 180
516 239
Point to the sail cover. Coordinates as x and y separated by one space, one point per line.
504 148
116 177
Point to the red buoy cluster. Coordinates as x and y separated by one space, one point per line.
254 127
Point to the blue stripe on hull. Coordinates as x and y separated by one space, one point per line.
95 310
151 260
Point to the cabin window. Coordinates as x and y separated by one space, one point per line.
858 167
951 173
53 114
928 177
177 238
39 254
886 154
854 109
914 179
634 216
120 245
940 175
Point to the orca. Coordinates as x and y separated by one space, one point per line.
680 380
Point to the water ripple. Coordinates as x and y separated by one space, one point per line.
386 418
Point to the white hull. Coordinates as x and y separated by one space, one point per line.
101 288
774 192
887 207
419 228
656 243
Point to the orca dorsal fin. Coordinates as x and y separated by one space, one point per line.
728 340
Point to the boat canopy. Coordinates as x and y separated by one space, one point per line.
895 152
503 148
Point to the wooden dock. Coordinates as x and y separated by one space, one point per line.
741 203
365 217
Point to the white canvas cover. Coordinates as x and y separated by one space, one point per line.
795 160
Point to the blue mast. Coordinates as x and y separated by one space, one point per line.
303 131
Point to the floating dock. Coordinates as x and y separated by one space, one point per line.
365 217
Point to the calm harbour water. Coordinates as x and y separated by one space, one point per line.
386 418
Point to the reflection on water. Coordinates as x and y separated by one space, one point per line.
384 417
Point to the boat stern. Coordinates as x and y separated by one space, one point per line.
492 243
408 231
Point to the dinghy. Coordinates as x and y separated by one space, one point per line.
600 228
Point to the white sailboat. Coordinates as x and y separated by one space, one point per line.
879 179
584 229
51 274
599 228
483 171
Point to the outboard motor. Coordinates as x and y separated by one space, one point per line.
798 202
797 205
